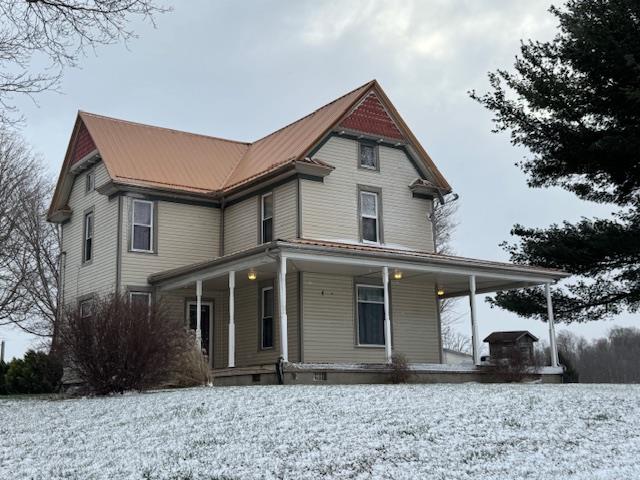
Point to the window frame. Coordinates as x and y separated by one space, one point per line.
90 181
89 303
90 213
357 310
132 293
263 218
262 317
151 226
362 215
376 156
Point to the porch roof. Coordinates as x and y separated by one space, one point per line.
449 273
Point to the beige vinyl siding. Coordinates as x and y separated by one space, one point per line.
98 276
247 321
241 225
185 234
330 208
285 211
414 320
241 220
329 321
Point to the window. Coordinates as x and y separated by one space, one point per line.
140 299
266 214
369 229
370 315
87 252
266 318
368 156
86 308
142 226
90 181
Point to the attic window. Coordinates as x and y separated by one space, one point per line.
368 156
90 181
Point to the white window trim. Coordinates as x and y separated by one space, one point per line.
367 345
150 225
262 317
88 235
133 292
376 217
263 218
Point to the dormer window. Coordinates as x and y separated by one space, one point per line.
368 158
266 215
90 181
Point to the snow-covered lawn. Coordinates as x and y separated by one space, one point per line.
425 431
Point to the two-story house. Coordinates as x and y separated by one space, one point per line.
308 253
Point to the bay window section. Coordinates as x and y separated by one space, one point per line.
142 226
369 218
370 300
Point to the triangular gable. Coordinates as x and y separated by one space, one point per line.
84 145
372 118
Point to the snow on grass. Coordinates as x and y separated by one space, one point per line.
466 432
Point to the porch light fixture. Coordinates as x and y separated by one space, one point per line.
397 275
440 292
252 275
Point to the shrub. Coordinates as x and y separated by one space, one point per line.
123 345
191 368
3 371
37 372
400 372
515 367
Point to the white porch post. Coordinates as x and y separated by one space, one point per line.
282 294
387 319
232 320
552 329
199 314
474 322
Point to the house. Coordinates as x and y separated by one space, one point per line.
312 247
509 346
455 357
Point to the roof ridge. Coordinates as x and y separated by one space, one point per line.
233 170
369 83
184 132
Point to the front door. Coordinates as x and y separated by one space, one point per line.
206 322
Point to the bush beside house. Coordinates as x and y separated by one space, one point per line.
37 372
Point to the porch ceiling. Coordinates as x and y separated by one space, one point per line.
450 274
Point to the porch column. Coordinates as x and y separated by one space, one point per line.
387 319
552 329
282 303
199 314
232 320
474 323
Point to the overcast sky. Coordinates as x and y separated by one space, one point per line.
243 69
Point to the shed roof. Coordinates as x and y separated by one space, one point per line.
509 337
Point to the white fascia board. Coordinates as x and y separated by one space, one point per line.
216 271
338 259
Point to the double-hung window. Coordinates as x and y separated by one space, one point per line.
142 226
266 318
369 217
142 299
370 315
90 181
86 308
266 216
87 246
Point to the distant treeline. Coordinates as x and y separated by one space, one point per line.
613 359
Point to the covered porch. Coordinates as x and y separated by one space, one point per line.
316 293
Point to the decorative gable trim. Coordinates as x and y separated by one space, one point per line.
371 117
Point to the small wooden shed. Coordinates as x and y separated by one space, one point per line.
511 345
